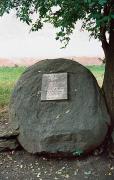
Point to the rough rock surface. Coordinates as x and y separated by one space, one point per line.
8 132
7 136
8 144
78 124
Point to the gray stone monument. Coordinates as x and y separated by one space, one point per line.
57 106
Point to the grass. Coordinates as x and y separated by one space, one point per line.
9 76
98 72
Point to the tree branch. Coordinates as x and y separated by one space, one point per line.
111 37
103 38
103 29
106 10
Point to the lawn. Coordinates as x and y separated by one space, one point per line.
98 72
9 76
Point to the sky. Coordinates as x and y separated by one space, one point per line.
16 41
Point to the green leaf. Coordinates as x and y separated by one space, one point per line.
102 2
112 16
78 152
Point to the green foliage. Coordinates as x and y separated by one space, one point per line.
63 14
78 152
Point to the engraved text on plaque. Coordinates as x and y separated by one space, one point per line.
54 86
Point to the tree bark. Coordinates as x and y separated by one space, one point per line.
108 83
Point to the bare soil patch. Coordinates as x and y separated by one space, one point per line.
24 166
4 119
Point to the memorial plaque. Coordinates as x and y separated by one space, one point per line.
54 86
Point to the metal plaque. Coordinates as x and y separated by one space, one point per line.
54 86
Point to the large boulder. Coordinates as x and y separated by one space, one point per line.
78 124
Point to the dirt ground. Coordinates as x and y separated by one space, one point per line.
20 165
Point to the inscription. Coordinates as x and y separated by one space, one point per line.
54 86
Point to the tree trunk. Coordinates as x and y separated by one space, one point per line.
108 83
